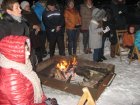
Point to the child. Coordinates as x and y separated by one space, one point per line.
96 32
128 39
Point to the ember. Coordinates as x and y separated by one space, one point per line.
65 69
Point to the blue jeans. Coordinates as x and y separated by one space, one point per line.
97 54
72 40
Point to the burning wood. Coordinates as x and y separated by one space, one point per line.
65 69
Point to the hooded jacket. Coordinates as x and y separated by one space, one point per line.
19 84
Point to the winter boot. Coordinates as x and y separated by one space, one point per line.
112 52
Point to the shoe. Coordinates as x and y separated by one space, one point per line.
103 58
100 60
89 51
85 51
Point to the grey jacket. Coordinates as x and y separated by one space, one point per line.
86 16
95 37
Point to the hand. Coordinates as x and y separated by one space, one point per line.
58 28
120 12
37 28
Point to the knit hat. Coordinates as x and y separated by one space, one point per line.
98 14
51 2
24 4
1 1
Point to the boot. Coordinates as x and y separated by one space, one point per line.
112 52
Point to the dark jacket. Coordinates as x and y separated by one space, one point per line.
32 20
10 26
120 13
52 19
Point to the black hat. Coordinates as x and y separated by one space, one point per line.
51 2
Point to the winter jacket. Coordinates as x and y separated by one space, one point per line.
39 9
95 36
10 26
137 39
52 19
16 88
32 20
128 39
72 18
119 12
86 16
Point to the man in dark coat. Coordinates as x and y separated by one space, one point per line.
119 12
54 23
34 28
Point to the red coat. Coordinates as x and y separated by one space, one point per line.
15 88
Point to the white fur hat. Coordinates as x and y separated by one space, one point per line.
23 4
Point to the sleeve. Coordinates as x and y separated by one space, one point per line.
15 89
4 30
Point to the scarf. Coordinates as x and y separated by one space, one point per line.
18 18
26 70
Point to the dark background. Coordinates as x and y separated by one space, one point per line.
96 2
133 16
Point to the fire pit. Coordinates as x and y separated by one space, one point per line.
71 74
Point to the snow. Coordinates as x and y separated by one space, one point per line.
124 90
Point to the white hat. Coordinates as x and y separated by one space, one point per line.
98 14
1 1
23 4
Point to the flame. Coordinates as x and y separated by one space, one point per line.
62 65
74 61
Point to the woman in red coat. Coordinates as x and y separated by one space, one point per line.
19 84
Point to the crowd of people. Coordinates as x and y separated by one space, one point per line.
25 30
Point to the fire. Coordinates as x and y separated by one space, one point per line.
65 69
74 61
63 65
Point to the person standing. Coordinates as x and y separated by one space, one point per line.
54 23
72 21
86 16
96 32
119 13
34 28
39 8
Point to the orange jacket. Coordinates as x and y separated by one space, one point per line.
128 39
72 18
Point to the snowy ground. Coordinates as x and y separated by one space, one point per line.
124 90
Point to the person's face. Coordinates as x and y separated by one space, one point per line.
71 4
131 29
16 11
43 4
27 8
51 7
